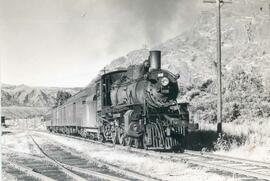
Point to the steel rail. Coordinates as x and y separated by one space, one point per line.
114 167
126 172
186 158
66 168
68 172
229 158
29 171
93 173
229 169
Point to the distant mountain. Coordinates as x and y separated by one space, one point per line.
23 95
25 101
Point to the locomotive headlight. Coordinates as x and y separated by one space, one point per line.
164 81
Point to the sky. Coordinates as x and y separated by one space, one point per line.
64 43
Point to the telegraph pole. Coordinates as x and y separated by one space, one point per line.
269 8
219 74
104 70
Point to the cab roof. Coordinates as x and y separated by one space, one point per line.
110 73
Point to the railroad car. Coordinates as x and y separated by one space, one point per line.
135 107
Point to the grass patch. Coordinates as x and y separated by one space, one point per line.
208 140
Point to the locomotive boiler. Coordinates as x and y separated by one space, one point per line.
146 83
135 107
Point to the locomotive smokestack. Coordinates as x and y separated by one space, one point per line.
155 60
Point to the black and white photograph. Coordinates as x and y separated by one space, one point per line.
135 90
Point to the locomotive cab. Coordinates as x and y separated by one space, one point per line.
103 87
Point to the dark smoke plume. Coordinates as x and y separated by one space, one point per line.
155 19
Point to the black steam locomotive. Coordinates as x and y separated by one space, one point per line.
135 107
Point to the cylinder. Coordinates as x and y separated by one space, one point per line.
155 60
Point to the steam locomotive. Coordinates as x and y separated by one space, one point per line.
135 107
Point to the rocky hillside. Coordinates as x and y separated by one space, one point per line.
245 43
245 61
24 101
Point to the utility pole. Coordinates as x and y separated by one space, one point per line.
268 8
219 77
104 70
145 45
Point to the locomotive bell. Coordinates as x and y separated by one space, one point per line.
155 60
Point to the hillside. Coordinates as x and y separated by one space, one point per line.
245 43
24 101
245 61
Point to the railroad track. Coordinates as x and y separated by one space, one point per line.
80 169
29 167
20 172
244 168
